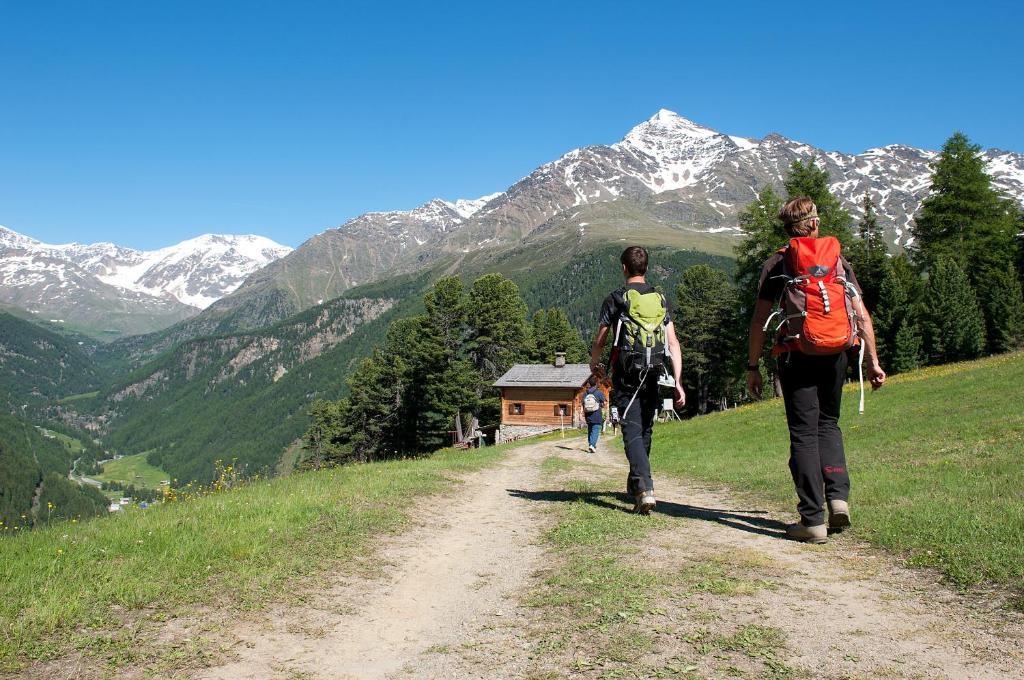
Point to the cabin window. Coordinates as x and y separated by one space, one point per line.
515 409
561 409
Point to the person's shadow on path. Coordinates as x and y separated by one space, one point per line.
750 521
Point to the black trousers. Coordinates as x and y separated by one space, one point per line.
637 428
812 387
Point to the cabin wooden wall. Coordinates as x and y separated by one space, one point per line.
539 405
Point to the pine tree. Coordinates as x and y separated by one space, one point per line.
763 236
498 337
954 328
446 309
1003 305
965 219
869 255
371 414
906 352
553 333
807 179
897 317
706 331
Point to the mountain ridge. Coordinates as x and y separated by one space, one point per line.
665 171
113 290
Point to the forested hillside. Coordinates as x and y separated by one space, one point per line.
242 396
581 285
37 365
34 487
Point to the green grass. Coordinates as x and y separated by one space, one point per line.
75 585
132 470
935 464
70 443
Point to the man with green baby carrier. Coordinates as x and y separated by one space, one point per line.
645 353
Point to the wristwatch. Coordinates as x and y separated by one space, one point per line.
753 367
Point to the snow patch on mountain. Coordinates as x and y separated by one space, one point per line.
196 272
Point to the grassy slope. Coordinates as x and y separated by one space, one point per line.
935 463
132 470
71 586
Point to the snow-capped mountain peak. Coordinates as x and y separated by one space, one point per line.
468 207
195 272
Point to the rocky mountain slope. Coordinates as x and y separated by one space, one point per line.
110 291
669 176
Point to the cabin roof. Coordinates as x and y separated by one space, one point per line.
545 375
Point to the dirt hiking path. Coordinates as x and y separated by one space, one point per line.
448 598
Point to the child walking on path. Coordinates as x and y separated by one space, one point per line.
641 321
593 406
823 316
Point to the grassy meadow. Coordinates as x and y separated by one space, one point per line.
91 585
935 462
132 470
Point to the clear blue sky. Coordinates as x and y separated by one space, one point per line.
146 122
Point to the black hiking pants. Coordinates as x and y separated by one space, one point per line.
637 427
812 387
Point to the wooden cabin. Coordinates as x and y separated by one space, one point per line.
538 398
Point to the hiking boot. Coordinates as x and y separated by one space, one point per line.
644 503
838 514
816 534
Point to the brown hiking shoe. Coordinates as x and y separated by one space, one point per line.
838 514
816 534
644 502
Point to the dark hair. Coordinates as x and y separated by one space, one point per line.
634 259
592 381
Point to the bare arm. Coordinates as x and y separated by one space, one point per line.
676 353
867 334
596 349
762 310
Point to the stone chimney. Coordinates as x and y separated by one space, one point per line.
559 359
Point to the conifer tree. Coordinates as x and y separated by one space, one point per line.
953 325
966 220
869 255
706 330
553 333
1003 306
498 337
763 236
906 354
807 179
897 318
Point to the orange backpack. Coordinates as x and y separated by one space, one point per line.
818 316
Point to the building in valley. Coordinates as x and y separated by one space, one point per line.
537 398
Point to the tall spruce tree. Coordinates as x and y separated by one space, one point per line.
807 179
498 337
897 319
1003 307
869 255
707 333
954 328
965 219
553 333
763 235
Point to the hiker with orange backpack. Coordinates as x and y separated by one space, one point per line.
645 354
820 318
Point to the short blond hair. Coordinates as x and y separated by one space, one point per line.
797 214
